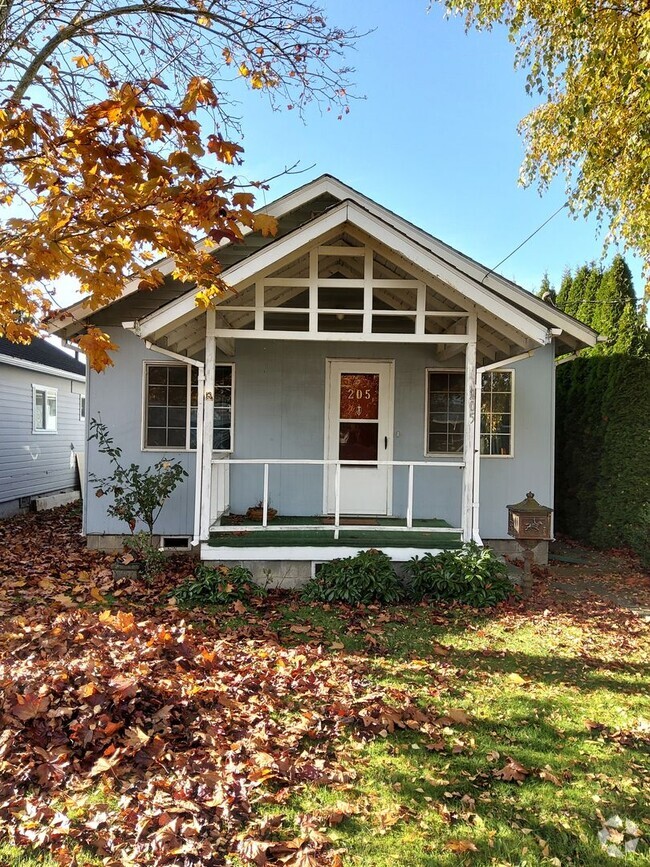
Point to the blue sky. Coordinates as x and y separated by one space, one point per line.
435 140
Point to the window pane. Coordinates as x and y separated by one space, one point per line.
176 438
222 395
223 374
358 441
176 417
156 437
157 395
437 442
221 439
157 375
222 418
39 410
157 416
177 395
50 418
177 375
359 395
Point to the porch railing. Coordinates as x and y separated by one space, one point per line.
220 482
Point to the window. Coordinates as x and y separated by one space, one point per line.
44 409
496 413
82 407
171 399
446 412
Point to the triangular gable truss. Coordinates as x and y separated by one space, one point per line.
503 327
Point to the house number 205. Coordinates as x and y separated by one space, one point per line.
358 393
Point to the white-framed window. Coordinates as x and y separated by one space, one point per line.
44 409
170 407
445 412
82 407
497 393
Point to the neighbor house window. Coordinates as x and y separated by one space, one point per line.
82 407
446 412
44 409
171 400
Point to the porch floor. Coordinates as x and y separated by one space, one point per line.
302 534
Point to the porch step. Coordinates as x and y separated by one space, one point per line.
358 539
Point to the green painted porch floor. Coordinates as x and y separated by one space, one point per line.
251 535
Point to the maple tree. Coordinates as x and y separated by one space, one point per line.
117 141
589 60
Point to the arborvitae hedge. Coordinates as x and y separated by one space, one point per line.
602 482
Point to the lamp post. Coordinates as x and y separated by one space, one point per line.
529 523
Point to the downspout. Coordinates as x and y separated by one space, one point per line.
476 536
200 366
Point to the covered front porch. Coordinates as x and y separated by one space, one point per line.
337 342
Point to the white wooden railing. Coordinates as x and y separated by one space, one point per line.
220 477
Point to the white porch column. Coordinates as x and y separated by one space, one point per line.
208 422
471 415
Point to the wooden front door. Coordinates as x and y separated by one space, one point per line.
359 427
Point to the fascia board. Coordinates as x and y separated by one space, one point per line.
41 368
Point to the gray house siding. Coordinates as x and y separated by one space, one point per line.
280 413
33 464
115 397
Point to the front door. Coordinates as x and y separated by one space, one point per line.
360 428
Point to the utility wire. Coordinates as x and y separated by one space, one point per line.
525 241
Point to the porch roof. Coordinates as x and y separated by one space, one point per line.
301 211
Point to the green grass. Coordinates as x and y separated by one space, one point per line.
529 691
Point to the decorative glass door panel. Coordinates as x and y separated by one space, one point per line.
360 429
359 407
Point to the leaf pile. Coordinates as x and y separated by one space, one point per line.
183 732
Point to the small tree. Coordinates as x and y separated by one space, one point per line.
138 495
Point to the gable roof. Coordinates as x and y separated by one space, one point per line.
295 212
41 352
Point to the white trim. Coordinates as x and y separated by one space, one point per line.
49 391
319 553
208 422
41 368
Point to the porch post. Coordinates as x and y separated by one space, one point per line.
208 422
471 414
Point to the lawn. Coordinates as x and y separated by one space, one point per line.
134 732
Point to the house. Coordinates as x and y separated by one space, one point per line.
336 383
42 394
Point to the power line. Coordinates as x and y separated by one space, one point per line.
525 241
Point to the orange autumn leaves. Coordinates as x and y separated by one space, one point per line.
101 196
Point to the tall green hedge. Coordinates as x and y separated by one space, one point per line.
602 483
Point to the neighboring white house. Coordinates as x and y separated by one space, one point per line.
42 424
338 383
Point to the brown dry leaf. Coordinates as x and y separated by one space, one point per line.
513 771
30 705
458 716
460 846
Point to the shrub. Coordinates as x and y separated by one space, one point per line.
218 585
471 575
151 560
367 577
